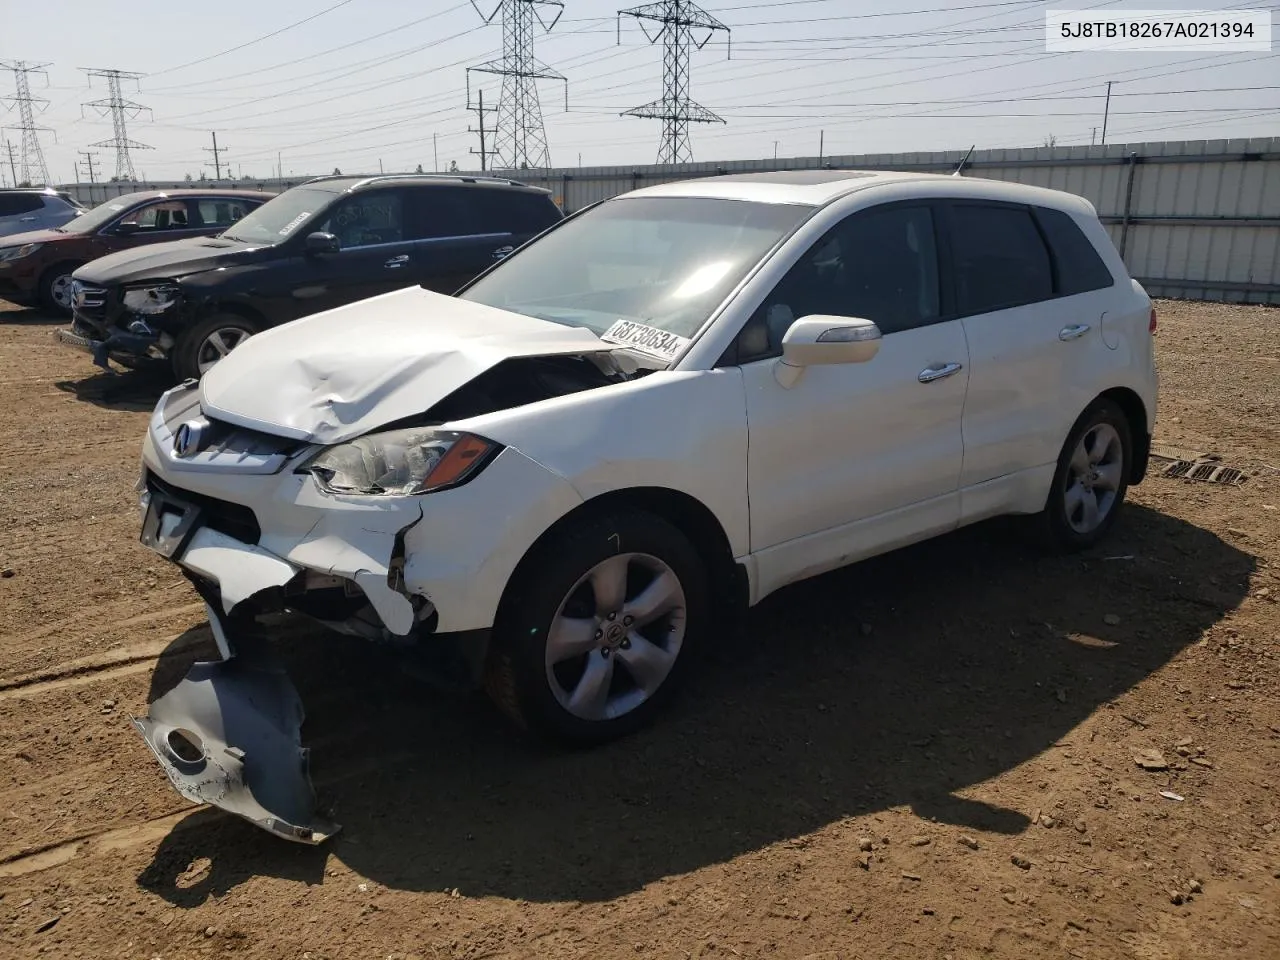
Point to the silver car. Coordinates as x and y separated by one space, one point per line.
36 208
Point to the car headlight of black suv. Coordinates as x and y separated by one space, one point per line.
153 299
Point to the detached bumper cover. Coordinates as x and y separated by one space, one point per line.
115 343
229 735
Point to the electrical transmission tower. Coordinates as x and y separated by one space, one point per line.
683 27
33 168
519 136
120 109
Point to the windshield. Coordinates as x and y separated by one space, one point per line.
279 218
100 215
640 268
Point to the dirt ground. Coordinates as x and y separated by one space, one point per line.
927 755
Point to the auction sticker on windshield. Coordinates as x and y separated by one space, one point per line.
660 343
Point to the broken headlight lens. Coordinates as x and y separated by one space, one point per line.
151 300
401 462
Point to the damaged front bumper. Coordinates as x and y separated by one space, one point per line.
127 347
229 735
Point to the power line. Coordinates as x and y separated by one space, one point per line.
120 110
33 166
519 137
678 19
250 43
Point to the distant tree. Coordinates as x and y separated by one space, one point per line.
186 177
453 166
1051 141
419 170
202 176
337 172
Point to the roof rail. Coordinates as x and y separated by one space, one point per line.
392 177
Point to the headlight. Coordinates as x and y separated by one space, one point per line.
150 300
17 253
401 462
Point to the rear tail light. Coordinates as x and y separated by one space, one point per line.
1151 324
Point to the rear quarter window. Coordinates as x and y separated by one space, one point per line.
1077 266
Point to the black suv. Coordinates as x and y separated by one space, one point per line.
323 244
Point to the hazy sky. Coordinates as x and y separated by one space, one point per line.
372 80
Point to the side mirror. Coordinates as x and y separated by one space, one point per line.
127 228
320 242
816 340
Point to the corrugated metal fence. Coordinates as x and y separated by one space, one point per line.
1193 219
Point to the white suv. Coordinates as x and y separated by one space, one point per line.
673 402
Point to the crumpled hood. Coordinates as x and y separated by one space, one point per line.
336 375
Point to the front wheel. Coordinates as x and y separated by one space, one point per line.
199 348
1091 479
55 288
599 630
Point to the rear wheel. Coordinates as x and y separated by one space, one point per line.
599 631
199 348
55 288
1091 479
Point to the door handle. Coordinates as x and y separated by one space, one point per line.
939 371
1073 332
503 252
395 262
26 219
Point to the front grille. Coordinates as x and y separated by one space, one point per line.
89 301
233 519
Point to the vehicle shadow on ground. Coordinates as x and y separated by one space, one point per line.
901 680
132 390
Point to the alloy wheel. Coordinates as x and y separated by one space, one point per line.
615 636
217 345
60 291
1093 478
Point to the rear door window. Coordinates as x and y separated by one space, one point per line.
222 211
1077 266
439 212
501 210
999 258
14 204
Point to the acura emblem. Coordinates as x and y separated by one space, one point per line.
187 440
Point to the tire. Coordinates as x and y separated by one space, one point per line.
55 288
197 349
1101 443
545 686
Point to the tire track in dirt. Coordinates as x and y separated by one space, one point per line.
99 614
118 663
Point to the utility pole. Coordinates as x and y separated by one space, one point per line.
435 150
120 110
519 135
33 166
480 111
775 151
217 162
89 158
12 167
279 167
822 136
1093 137
679 19
1106 113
